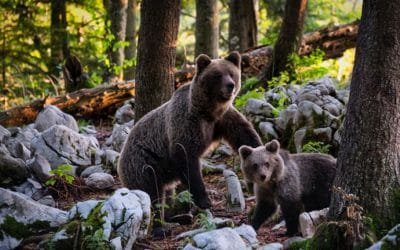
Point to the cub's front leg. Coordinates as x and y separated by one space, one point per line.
265 207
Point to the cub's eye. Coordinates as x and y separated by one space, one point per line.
255 165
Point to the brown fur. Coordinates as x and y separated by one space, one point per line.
166 144
298 182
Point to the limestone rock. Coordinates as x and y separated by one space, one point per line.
52 115
61 145
221 239
310 220
100 181
235 198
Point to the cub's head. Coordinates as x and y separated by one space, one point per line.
263 164
219 79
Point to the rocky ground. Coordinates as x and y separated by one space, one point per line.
60 190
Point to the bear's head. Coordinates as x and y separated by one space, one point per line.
217 81
262 165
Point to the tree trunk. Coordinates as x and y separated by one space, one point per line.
117 14
369 156
130 50
242 25
288 40
156 54
59 36
207 30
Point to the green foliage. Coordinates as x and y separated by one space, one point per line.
281 105
19 230
250 84
62 172
316 147
205 222
305 68
184 197
241 100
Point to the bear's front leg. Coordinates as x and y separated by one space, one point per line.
188 167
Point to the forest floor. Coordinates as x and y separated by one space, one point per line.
216 187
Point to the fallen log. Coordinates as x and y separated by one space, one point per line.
96 102
333 41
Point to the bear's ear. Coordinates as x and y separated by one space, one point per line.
272 146
245 151
202 61
234 57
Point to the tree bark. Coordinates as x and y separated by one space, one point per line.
242 25
59 35
117 14
156 54
369 156
207 30
85 103
289 38
130 37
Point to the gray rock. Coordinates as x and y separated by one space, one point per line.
47 200
4 134
91 170
125 113
290 241
189 246
21 136
267 131
12 170
273 96
224 150
310 220
29 188
116 243
82 209
26 211
208 167
323 134
110 160
278 226
40 167
21 151
100 180
89 130
52 115
271 246
119 135
248 234
286 118
343 95
221 239
299 136
61 145
128 211
258 107
235 198
332 105
390 241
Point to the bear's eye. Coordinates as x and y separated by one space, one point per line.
255 165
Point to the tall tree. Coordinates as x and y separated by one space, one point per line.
369 156
130 37
242 24
207 30
59 35
158 34
117 15
288 40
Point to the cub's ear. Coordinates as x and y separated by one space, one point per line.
202 61
245 151
234 57
272 146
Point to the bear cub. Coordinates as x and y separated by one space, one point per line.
297 182
166 144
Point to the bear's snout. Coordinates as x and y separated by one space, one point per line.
263 177
230 87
